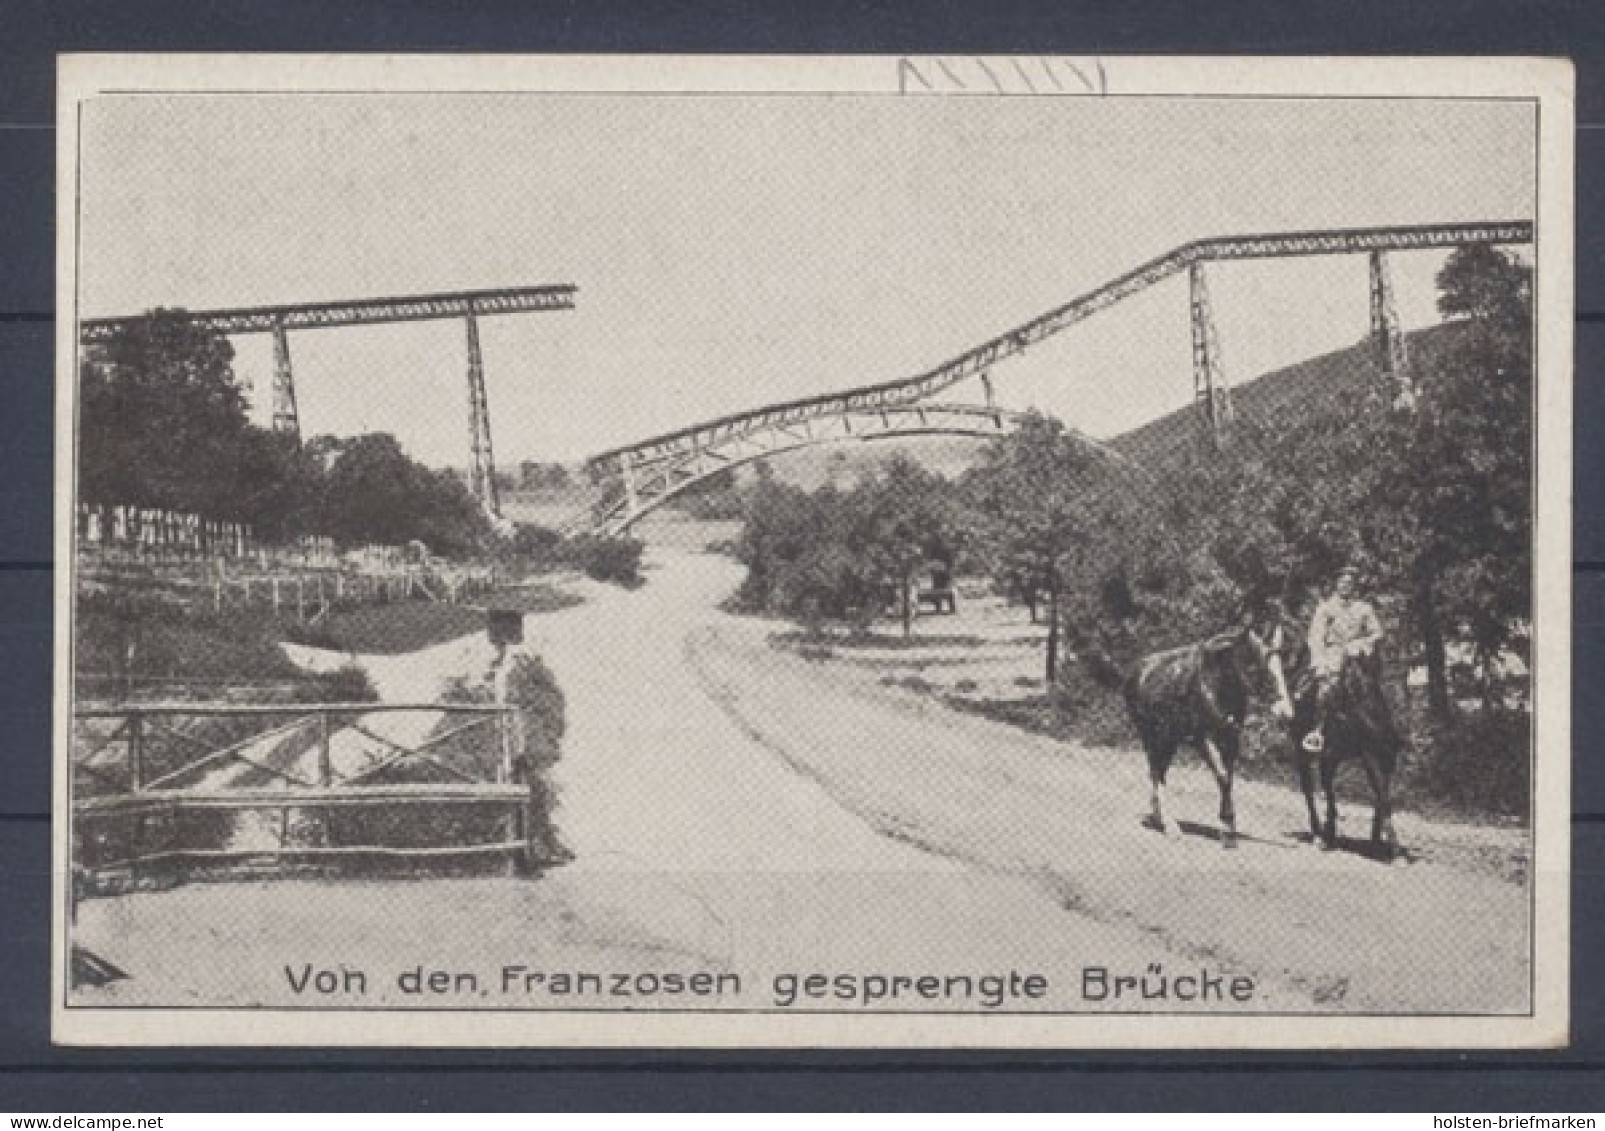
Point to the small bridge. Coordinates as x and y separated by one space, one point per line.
175 789
643 476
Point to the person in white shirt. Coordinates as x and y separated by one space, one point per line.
1343 625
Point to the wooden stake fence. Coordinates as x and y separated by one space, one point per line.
128 816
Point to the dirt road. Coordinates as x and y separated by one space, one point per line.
810 818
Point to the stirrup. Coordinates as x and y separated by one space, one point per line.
1314 742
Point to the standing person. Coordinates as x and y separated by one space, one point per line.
1343 625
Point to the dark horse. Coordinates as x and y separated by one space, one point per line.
1359 725
1198 695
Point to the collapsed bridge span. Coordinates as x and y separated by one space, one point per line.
644 475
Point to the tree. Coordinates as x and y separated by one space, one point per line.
1055 511
1471 462
902 518
536 476
281 485
837 554
162 419
375 493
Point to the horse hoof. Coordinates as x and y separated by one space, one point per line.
1229 842
1171 831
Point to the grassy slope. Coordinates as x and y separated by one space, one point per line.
412 625
1302 390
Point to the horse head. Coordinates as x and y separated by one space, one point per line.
1267 642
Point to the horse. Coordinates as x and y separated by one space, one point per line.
1358 724
1198 694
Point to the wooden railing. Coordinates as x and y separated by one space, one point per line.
186 788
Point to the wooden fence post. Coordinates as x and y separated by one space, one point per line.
136 752
325 768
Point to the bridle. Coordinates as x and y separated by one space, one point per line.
1270 649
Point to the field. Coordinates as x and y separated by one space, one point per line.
394 629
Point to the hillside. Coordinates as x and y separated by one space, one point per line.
1301 390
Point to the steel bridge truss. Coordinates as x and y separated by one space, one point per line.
641 487
280 320
651 471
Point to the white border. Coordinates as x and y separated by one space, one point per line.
1549 81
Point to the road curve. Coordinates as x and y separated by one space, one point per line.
780 815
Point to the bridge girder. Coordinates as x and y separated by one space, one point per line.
354 312
978 362
648 483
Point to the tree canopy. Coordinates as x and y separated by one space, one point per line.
845 554
163 422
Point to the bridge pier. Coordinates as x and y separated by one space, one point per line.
1211 392
482 475
1386 336
285 417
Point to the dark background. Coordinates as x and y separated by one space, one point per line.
38 1079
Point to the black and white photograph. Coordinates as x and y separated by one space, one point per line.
1007 551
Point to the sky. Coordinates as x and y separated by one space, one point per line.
736 250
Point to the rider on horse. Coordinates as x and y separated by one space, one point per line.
1343 626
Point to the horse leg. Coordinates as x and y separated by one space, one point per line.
1382 834
1328 787
1220 755
1159 759
1306 779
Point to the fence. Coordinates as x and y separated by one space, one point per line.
312 596
185 789
157 533
220 563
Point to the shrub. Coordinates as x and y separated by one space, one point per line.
603 558
540 547
1481 762
532 688
347 684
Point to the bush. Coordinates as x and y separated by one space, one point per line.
532 688
602 558
540 547
347 684
1089 710
1481 763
